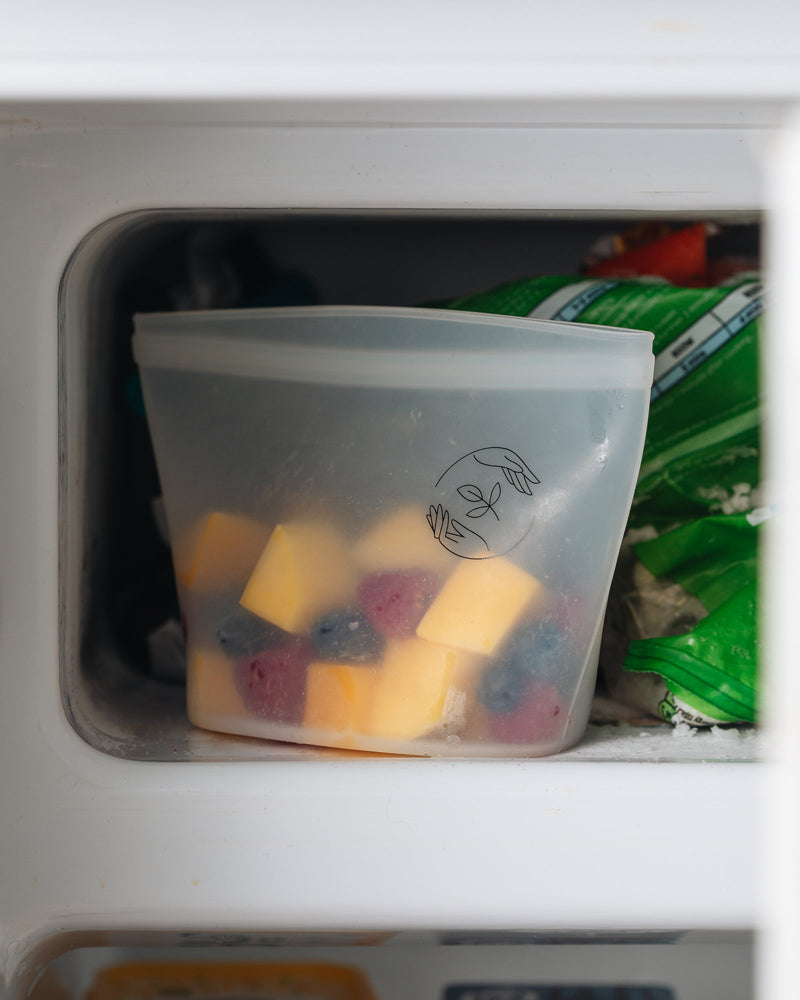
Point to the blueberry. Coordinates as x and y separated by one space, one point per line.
535 652
539 649
243 634
346 635
502 686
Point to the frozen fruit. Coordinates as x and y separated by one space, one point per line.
414 688
394 602
303 572
241 633
535 651
346 635
502 686
479 604
338 696
272 683
540 716
401 540
539 647
211 693
217 551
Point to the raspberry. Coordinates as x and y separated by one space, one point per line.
272 683
394 602
540 716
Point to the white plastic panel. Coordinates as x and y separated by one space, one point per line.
123 162
419 50
779 896
376 845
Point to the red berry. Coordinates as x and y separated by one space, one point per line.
272 683
540 717
395 602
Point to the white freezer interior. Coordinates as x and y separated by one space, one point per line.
158 260
121 820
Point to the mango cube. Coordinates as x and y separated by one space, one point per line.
338 696
403 540
219 550
479 604
303 572
211 692
415 689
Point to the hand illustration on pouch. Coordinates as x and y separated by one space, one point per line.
511 465
450 532
472 488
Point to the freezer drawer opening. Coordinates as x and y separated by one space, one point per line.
122 670
424 965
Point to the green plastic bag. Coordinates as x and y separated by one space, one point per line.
710 670
710 673
696 578
702 445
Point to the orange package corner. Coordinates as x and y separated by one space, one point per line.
154 980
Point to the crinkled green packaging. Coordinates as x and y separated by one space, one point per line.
686 619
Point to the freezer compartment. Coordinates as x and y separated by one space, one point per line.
122 669
423 965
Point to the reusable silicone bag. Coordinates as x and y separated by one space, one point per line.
394 530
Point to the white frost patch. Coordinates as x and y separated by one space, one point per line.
454 717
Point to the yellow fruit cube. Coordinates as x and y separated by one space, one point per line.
416 689
211 692
338 696
304 571
219 550
403 540
479 604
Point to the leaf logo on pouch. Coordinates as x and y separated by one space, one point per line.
476 514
